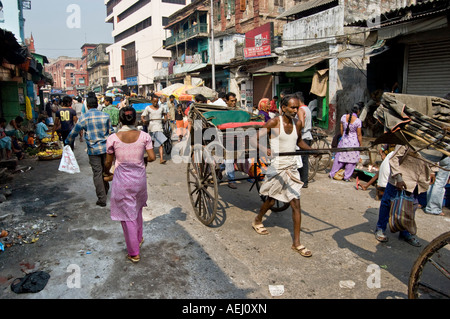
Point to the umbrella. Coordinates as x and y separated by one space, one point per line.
182 90
167 91
203 90
114 91
185 97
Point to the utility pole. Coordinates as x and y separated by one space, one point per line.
213 63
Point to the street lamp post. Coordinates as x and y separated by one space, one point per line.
213 67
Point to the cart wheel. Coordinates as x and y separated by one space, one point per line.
202 187
430 274
323 161
278 206
312 167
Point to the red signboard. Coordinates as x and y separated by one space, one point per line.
257 51
258 41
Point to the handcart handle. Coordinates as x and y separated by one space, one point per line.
323 151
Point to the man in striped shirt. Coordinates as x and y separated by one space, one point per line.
97 127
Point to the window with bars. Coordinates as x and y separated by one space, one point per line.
135 7
134 29
110 6
130 67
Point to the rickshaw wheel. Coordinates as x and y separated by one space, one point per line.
202 186
278 206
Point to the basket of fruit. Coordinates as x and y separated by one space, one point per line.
50 139
49 155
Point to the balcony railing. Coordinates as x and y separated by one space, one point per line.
196 30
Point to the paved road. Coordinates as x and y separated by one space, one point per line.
183 259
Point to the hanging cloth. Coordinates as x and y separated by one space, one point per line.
28 108
319 83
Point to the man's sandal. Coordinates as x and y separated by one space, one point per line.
302 250
260 229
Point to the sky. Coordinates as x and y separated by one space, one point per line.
61 27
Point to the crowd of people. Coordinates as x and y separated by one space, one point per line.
116 148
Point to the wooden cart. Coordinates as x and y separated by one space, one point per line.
218 134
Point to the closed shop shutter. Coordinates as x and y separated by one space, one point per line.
428 68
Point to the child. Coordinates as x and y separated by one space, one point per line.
180 122
31 141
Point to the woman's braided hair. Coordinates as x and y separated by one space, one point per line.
355 109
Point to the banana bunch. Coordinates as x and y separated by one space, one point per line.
50 139
50 153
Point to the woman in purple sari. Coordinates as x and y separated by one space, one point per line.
127 148
351 137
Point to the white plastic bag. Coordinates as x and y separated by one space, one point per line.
68 162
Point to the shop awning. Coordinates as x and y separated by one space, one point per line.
304 6
11 50
378 48
290 67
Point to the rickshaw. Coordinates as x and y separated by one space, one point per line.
218 134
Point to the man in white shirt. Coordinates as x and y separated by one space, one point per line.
304 115
153 114
221 100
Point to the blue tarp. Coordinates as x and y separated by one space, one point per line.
139 107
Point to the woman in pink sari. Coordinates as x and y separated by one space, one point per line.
127 148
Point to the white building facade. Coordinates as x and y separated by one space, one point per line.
138 33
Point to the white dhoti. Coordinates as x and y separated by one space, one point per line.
282 184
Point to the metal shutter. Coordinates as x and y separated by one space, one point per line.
428 68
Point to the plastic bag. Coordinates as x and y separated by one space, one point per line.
68 162
402 213
32 282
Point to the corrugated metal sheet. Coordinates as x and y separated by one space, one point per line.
376 49
428 69
291 67
303 7
408 13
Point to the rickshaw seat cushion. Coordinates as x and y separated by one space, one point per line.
231 116
235 125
